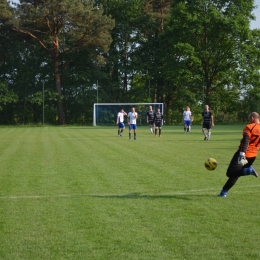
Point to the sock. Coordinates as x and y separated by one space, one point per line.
160 131
247 171
155 131
129 135
118 131
209 134
122 130
135 135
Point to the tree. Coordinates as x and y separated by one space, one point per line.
5 11
202 39
63 28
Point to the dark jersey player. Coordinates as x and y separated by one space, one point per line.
207 122
150 119
158 119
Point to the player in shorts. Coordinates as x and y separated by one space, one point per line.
120 122
207 122
131 118
150 119
158 119
187 119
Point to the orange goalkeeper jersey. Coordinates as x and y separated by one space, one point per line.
250 143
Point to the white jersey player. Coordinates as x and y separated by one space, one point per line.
120 122
132 122
187 119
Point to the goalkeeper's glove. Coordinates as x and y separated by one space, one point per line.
242 159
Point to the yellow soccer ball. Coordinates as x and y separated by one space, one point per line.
211 164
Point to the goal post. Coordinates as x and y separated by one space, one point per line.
106 113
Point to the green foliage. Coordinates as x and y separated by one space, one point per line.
5 11
62 27
6 95
203 39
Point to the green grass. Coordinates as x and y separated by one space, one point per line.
85 193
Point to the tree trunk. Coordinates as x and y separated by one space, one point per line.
61 117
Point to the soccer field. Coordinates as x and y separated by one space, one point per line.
85 193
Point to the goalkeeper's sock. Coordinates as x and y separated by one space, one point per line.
250 171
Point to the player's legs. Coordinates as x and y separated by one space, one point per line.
159 127
206 127
151 127
204 133
185 127
155 129
134 127
187 124
160 131
209 133
130 131
121 127
235 171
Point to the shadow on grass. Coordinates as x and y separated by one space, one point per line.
140 196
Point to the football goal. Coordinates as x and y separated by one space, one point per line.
106 113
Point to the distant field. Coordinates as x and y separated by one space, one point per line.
85 193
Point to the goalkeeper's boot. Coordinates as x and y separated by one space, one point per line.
223 193
250 171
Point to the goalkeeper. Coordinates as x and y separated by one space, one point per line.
241 163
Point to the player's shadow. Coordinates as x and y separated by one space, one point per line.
141 196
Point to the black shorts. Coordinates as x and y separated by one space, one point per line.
158 124
150 122
206 125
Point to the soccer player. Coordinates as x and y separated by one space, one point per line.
120 122
131 118
207 122
241 163
150 119
187 119
158 119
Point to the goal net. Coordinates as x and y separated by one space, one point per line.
106 113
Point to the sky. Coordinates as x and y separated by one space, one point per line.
256 24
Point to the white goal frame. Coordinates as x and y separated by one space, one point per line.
95 107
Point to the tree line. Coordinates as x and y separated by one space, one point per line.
59 57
